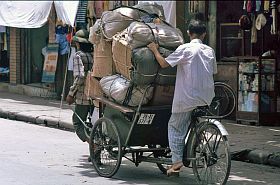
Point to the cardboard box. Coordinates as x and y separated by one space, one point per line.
92 86
102 59
163 95
122 56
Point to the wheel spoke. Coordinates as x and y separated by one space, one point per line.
212 156
105 147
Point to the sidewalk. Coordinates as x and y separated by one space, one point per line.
255 144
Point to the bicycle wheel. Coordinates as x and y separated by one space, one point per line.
105 147
223 104
212 156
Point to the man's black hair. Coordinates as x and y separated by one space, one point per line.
196 27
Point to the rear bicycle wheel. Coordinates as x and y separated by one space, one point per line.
212 156
105 147
224 102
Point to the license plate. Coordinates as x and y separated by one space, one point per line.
146 119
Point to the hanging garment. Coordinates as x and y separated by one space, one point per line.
260 21
244 4
258 5
105 5
273 30
266 6
62 42
249 6
91 12
61 29
98 8
254 37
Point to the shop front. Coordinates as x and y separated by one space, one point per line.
245 31
28 39
4 58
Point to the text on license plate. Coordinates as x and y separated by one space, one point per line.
146 119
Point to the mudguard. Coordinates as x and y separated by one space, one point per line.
220 126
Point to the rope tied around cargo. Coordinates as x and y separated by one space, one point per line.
156 38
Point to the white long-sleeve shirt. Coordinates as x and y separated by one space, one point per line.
196 64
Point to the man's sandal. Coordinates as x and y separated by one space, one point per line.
171 172
174 170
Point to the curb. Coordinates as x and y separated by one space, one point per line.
39 120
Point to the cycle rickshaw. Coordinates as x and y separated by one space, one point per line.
139 134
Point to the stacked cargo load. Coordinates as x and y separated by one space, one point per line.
126 32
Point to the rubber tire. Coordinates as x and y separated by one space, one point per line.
119 155
193 147
230 106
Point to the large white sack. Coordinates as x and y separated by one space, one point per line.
151 8
116 87
141 34
117 20
95 32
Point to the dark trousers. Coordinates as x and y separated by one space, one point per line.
83 111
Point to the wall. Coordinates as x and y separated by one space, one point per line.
14 56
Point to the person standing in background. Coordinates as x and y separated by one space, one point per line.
82 63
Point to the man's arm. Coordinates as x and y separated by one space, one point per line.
154 48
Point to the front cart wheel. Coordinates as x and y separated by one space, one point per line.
212 157
105 147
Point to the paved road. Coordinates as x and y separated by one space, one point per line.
38 155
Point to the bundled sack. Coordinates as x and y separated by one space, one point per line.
144 66
116 87
146 70
102 57
151 8
117 20
166 76
95 32
139 65
141 34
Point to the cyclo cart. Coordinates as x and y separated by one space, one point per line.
139 134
